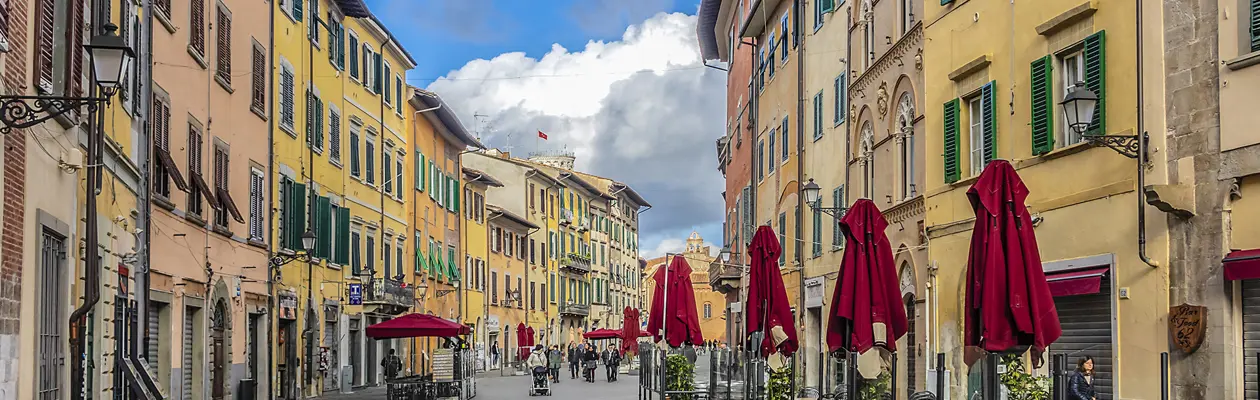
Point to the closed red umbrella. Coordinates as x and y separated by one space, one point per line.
866 291
522 340
1008 302
767 305
629 330
416 325
683 326
531 335
658 304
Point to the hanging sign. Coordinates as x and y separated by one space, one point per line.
1186 326
356 294
288 305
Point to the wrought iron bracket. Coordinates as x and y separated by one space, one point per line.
834 212
17 112
1127 145
443 292
282 259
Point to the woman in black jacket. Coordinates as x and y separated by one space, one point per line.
1081 382
591 357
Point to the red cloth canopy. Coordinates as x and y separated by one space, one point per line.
602 334
866 291
416 325
767 305
1008 302
522 341
530 337
629 330
681 324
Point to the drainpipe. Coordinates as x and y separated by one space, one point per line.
1142 148
800 175
272 321
848 87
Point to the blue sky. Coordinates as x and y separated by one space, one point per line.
443 35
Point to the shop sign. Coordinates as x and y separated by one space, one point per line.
1186 326
288 305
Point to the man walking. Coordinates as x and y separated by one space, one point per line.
611 359
575 358
392 364
554 359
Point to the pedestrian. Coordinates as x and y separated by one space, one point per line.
554 359
592 362
1081 382
611 359
575 358
392 364
494 354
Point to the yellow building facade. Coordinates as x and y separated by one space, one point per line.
476 246
709 302
509 294
995 72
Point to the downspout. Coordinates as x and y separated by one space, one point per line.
1142 148
271 203
754 106
800 176
848 87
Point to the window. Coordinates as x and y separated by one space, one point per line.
221 171
841 96
531 198
398 176
258 81
354 56
314 121
197 33
388 93
770 164
818 118
868 36
370 262
292 214
907 15
532 296
355 126
163 8
532 260
773 45
369 157
1254 27
783 237
976 135
866 158
552 279
398 100
223 46
822 7
368 62
519 284
286 96
334 135
905 130
761 159
387 168
386 240
837 200
398 252
51 32
708 311
1073 67
783 27
761 69
982 129
783 133
257 205
165 171
199 187
817 242
314 26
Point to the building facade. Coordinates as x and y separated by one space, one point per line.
508 261
709 303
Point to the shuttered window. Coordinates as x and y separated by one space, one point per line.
422 175
761 159
838 113
387 171
818 115
818 230
286 97
369 158
220 183
783 237
398 176
314 24
224 46
455 194
197 23
45 17
388 92
257 206
988 122
354 149
341 254
293 214
334 135
187 356
356 256
950 133
297 10
745 220
770 164
258 80
199 187
354 56
336 43
323 227
837 200
1042 94
314 121
783 144
1096 79
163 7
376 77
398 100
1254 26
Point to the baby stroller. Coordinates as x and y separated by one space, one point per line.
542 385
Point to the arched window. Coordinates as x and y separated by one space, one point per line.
866 157
905 131
868 37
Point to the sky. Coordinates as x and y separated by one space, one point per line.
618 82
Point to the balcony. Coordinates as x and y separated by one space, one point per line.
390 296
583 225
576 263
724 276
566 217
574 309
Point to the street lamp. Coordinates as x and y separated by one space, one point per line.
810 191
1079 107
308 246
109 57
308 241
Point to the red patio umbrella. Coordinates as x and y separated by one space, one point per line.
767 305
658 304
1008 302
416 325
530 336
866 291
681 324
522 340
629 330
600 334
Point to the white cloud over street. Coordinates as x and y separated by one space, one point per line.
643 110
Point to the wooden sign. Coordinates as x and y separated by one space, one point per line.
1187 325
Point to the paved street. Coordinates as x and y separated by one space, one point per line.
495 387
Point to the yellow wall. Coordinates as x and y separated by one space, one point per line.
507 269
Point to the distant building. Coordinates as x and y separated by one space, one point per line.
709 303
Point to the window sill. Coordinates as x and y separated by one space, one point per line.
1244 61
166 22
195 219
289 130
256 242
259 112
1056 153
163 202
222 230
218 77
335 162
200 59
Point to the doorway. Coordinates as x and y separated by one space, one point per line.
287 367
371 357
356 352
218 341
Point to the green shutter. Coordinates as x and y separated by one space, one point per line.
297 10
829 5
376 84
356 259
452 264
946 2
1042 119
286 214
455 181
323 227
417 161
988 122
950 155
1255 25
319 123
837 200
1096 79
342 255
433 179
817 231
298 199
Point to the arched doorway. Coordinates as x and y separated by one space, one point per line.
911 349
219 325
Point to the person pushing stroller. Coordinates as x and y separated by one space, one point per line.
537 365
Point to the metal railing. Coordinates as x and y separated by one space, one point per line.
574 308
391 292
576 262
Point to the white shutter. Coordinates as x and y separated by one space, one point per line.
255 205
1251 337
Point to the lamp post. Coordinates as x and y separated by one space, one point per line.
109 60
1080 106
308 245
810 190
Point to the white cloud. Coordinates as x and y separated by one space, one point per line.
643 110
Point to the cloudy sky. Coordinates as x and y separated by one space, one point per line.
619 83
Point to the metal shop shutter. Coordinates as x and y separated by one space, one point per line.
1251 337
155 337
188 353
1086 321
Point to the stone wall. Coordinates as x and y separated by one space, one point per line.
12 212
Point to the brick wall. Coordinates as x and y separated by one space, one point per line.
12 222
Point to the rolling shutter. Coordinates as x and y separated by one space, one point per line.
188 353
154 340
1042 119
951 141
989 122
1096 80
1255 25
1086 322
1251 333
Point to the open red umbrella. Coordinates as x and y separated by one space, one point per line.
658 304
767 305
416 325
600 334
1008 302
866 291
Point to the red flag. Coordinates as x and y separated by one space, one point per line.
542 135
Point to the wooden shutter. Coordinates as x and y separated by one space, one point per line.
197 36
1096 79
455 192
376 79
1042 117
296 210
259 79
817 231
286 97
224 47
988 118
319 123
323 227
74 52
1255 25
837 200
333 38
164 7
256 207
297 10
354 57
950 156
342 253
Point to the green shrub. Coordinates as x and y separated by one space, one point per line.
780 385
681 376
1022 385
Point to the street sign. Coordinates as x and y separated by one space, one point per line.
356 294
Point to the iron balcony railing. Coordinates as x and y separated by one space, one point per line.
390 292
576 263
566 217
574 308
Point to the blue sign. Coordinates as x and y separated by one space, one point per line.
356 294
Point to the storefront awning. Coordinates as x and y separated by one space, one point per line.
1076 282
1242 264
